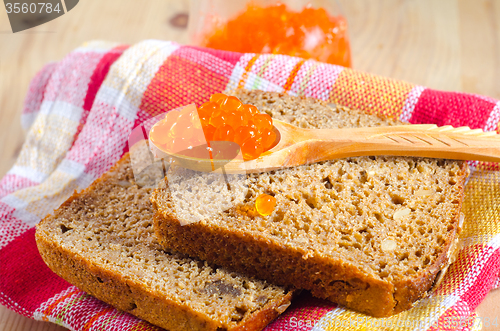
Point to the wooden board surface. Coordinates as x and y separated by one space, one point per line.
447 44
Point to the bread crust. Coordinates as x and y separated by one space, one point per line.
132 296
236 251
116 291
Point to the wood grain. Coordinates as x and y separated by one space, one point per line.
447 44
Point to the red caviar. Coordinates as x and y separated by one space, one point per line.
223 118
179 130
268 138
217 97
243 133
265 204
209 131
224 133
311 33
239 123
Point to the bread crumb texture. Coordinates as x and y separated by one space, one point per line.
197 196
102 241
370 233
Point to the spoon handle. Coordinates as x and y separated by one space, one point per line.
424 140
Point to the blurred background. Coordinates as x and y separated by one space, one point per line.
449 45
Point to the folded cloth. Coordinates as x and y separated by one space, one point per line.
80 111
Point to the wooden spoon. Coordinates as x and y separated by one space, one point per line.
296 146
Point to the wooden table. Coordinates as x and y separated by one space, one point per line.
445 44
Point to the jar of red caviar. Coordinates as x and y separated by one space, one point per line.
311 29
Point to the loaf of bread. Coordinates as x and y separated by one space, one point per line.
370 233
102 241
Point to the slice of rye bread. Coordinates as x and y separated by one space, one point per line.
370 233
102 241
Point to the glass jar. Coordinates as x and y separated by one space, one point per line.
307 29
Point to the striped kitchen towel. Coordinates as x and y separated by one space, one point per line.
80 111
